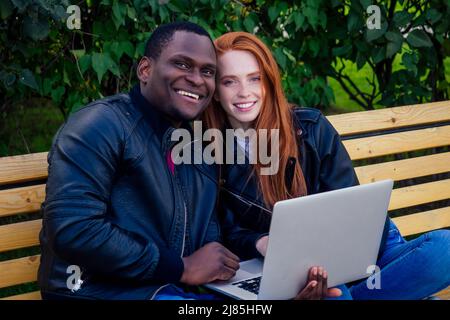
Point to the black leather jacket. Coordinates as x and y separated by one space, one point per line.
114 209
326 166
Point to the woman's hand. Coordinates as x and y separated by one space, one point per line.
317 287
261 245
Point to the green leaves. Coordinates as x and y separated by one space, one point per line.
119 11
273 13
250 22
280 57
7 78
342 51
21 4
36 29
395 41
102 62
72 67
410 60
299 19
26 77
433 16
402 18
418 38
6 9
374 34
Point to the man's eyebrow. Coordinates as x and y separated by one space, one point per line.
190 60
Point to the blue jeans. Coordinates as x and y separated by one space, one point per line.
172 292
410 270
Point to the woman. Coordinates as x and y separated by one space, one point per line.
312 159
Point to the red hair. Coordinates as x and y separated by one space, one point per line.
275 114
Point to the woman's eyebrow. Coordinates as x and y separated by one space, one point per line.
254 73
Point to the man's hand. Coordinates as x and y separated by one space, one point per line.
317 287
211 262
261 245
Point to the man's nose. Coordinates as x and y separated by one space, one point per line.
194 78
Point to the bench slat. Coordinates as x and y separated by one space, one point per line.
19 235
21 200
35 295
23 168
370 147
420 194
390 118
19 271
423 221
405 169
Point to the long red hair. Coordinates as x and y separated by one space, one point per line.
275 114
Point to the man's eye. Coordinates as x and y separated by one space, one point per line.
182 65
208 72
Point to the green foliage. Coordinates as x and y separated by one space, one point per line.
311 40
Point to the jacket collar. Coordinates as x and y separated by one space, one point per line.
157 120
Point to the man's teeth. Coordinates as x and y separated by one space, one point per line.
244 105
189 94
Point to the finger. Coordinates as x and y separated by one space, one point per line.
318 293
334 292
226 273
231 255
306 293
324 284
315 274
231 263
311 274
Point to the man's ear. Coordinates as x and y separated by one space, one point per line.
144 69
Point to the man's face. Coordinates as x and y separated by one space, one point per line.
181 81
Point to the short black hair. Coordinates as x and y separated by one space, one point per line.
163 34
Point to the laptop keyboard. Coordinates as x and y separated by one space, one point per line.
251 285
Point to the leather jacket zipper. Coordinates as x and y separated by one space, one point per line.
184 231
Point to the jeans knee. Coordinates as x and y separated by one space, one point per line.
440 250
440 239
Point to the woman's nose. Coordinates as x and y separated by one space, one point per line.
243 92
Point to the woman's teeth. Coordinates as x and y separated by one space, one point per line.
188 94
244 105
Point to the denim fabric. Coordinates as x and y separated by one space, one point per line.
175 293
172 292
410 270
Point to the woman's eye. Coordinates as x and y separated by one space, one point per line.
255 79
228 82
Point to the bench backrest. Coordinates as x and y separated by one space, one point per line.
383 143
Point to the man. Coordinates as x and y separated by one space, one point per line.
120 220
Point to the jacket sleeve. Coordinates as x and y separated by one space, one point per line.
239 240
83 164
336 168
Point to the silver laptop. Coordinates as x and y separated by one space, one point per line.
339 230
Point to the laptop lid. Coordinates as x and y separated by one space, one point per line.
340 230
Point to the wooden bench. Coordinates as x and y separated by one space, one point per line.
393 132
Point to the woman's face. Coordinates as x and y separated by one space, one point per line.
239 89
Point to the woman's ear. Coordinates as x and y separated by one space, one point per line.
144 69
